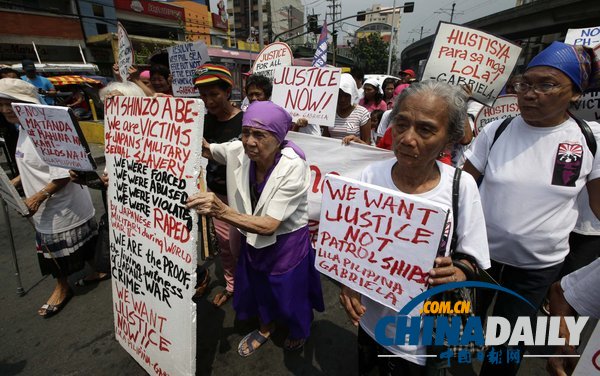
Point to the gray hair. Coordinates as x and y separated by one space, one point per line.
128 89
454 97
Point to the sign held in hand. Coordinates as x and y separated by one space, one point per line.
183 60
125 58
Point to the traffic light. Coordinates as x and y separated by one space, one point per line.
409 7
313 22
361 16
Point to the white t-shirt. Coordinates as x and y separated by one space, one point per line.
458 151
581 289
312 129
472 239
384 123
351 124
587 222
66 209
529 192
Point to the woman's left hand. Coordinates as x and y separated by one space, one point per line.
33 203
207 203
445 272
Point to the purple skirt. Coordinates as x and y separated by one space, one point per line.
289 297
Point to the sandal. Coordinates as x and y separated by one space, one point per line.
222 298
298 346
249 340
49 310
88 282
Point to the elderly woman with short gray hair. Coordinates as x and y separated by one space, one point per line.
427 117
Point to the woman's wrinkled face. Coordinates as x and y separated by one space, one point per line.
344 100
259 145
215 99
7 110
160 84
255 93
420 130
370 91
549 109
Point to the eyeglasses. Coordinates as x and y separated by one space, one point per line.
542 88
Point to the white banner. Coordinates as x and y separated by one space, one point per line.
56 135
153 157
589 36
378 241
274 55
328 156
461 55
183 60
588 106
125 57
10 195
308 92
504 106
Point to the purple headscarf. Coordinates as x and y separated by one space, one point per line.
268 116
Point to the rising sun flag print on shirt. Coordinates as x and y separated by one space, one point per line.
320 59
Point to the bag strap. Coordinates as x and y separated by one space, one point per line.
590 140
455 190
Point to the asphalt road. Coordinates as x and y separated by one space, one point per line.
80 340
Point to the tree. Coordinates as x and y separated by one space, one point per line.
371 54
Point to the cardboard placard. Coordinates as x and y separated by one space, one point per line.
10 195
378 242
588 106
56 135
504 106
461 55
589 363
183 60
274 55
153 157
125 56
308 92
589 36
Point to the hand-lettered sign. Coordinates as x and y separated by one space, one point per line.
153 157
589 363
125 57
379 242
589 36
274 55
10 195
347 160
588 106
461 55
504 106
308 92
56 135
183 60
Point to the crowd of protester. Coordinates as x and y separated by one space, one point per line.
527 211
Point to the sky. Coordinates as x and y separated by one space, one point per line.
423 15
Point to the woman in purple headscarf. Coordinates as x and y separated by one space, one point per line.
267 188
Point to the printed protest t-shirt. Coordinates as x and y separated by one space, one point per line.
218 132
530 188
472 239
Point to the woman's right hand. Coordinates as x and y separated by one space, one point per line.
350 300
352 138
206 149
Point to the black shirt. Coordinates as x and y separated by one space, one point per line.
218 132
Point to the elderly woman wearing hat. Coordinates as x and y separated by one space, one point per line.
350 118
62 213
267 185
534 167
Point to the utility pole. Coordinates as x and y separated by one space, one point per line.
334 15
391 47
421 33
449 11
261 37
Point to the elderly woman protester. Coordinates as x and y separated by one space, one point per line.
426 118
350 118
62 213
535 166
267 185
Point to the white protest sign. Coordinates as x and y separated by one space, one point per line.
153 157
588 106
308 92
274 55
56 135
378 241
183 60
347 160
125 57
461 55
504 106
589 36
10 195
589 363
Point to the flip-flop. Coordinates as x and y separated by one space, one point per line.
88 282
49 310
218 299
248 340
298 346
